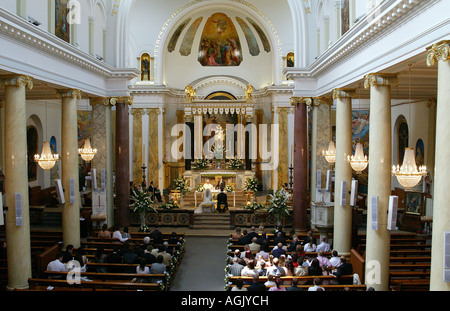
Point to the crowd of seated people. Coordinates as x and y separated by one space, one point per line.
283 257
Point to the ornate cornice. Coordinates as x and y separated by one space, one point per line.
121 99
19 80
437 52
75 94
380 79
343 93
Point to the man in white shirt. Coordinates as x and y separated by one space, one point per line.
335 260
323 246
57 265
317 282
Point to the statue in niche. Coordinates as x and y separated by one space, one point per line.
290 60
145 67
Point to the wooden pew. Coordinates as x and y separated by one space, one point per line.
94 285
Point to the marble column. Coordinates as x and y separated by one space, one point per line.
283 150
320 138
122 159
138 152
300 202
91 21
21 8
379 185
153 146
16 181
102 141
440 53
342 230
69 165
198 136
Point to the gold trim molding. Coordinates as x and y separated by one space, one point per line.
20 80
380 79
437 52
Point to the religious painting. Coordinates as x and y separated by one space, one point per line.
62 27
290 59
174 39
414 203
360 134
219 43
345 16
145 67
420 152
32 149
253 46
402 140
261 34
188 40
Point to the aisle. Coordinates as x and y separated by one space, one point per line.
203 265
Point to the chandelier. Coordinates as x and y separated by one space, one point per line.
358 161
87 153
330 154
47 159
408 175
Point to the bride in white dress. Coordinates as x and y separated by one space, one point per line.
207 199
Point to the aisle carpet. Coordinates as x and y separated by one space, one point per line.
203 264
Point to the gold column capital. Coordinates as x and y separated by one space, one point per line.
121 99
76 94
301 100
317 101
99 101
438 51
138 112
19 80
343 93
380 79
153 111
188 118
282 110
190 93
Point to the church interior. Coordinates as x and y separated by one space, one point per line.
202 117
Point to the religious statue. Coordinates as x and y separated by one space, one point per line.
248 91
190 92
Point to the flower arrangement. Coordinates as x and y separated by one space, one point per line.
168 206
229 188
254 206
218 151
278 204
181 185
200 188
251 184
142 203
235 164
200 164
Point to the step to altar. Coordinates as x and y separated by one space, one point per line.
216 221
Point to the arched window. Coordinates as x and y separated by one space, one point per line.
402 138
32 149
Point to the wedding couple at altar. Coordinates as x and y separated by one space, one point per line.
208 203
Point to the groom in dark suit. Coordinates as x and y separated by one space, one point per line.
222 200
221 184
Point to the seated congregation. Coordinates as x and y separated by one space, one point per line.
259 261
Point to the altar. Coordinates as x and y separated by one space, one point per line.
234 178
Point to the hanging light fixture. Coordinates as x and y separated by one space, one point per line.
358 161
46 159
408 175
330 154
87 153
